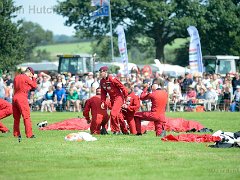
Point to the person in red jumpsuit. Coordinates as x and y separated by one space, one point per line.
100 116
129 108
158 98
22 84
5 111
118 93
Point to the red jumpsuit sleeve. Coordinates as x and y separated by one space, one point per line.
103 93
87 109
32 83
136 104
145 95
119 85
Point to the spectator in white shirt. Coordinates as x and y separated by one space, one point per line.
211 98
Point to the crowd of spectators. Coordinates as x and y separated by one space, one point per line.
58 92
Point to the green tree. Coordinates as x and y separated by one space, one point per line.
219 30
35 35
102 48
40 55
221 33
160 20
12 47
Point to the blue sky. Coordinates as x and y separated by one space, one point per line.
40 11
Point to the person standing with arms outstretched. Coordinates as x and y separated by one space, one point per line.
23 83
118 93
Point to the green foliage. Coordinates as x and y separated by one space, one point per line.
11 37
34 36
113 69
102 47
49 156
64 39
40 56
65 48
161 21
221 33
182 55
135 55
140 54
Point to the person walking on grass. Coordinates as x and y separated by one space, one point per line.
118 93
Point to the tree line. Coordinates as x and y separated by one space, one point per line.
152 24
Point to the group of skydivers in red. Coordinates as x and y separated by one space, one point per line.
122 102
124 105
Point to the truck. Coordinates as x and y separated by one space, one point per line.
75 64
221 64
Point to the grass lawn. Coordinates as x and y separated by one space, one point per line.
85 48
49 156
67 48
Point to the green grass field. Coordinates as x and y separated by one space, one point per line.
49 156
67 48
85 48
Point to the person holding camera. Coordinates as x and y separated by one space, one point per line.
159 98
23 83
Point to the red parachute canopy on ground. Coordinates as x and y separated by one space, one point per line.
178 125
69 124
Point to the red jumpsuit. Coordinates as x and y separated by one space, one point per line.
5 110
99 116
117 93
22 84
133 103
157 113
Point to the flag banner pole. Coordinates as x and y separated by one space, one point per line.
195 53
111 32
101 12
122 46
104 10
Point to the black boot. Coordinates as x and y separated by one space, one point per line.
103 131
33 136
116 133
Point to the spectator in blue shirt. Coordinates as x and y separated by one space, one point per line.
60 97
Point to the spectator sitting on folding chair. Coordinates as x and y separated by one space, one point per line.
60 97
211 98
191 96
47 103
73 98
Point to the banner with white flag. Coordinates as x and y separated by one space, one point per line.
122 46
100 2
195 52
